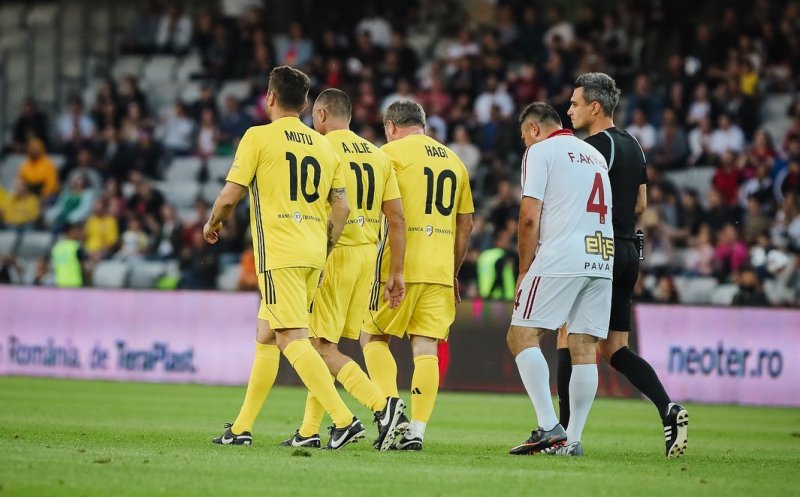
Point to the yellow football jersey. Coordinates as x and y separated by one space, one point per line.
434 185
370 181
289 169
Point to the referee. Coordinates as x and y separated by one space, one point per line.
591 108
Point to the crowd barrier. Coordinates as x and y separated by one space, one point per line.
703 354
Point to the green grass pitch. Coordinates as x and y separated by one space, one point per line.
81 438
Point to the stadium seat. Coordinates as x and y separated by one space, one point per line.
698 179
43 15
218 167
35 244
110 274
183 169
9 170
145 274
190 66
696 290
190 92
229 278
723 294
8 240
160 69
58 160
11 15
210 191
130 65
181 194
238 88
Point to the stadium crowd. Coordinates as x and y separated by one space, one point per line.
692 96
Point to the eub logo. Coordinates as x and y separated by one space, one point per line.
429 230
298 218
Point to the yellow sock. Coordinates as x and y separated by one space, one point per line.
358 384
424 387
312 418
262 377
381 367
314 373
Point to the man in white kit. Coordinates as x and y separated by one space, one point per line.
566 260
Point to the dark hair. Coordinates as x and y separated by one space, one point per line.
290 87
541 112
336 102
599 87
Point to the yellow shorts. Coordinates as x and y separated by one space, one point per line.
428 310
343 298
286 296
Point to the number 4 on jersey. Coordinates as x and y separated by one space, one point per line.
600 206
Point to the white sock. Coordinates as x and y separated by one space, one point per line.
536 377
417 429
582 389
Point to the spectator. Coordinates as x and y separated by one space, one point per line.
726 179
297 50
20 209
728 137
758 188
31 123
700 143
74 127
750 293
700 108
699 260
146 201
207 100
493 95
147 156
114 157
643 131
218 57
640 291
38 172
730 252
130 93
85 167
174 34
530 38
464 46
666 292
113 195
102 231
691 215
134 241
672 147
177 130
504 206
469 154
141 35
234 123
786 230
647 100
69 259
407 58
404 92
199 264
168 239
73 205
559 30
719 213
207 135
248 279
379 29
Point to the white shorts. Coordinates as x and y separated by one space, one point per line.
582 302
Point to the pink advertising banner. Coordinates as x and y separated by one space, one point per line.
723 355
123 335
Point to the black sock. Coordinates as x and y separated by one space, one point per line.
641 374
563 375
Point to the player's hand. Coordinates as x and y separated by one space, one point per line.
394 290
211 232
456 290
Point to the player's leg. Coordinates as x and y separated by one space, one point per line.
294 292
380 362
564 371
262 378
635 368
542 304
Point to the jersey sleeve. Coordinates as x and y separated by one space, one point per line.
602 142
391 190
465 205
534 174
245 162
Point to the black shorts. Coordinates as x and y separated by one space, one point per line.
626 271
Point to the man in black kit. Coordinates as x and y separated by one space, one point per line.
591 108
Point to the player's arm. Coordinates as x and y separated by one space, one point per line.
395 288
641 200
224 205
530 215
463 227
337 198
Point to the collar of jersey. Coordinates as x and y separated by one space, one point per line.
559 132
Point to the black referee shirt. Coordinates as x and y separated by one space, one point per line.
626 171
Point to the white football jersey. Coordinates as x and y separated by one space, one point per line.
570 177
